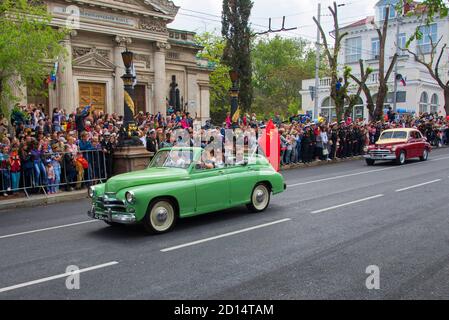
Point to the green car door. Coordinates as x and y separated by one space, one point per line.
242 179
212 189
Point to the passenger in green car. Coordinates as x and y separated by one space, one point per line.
209 161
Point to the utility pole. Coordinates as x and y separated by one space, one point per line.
395 97
317 65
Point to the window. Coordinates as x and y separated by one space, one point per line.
429 35
328 110
402 42
434 104
384 12
424 103
375 48
393 135
353 50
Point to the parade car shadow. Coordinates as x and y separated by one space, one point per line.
393 163
212 220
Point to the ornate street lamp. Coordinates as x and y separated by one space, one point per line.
128 132
234 93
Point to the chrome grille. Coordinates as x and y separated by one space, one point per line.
380 153
113 204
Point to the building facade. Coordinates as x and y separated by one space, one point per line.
92 70
419 93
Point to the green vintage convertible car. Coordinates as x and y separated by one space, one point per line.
180 183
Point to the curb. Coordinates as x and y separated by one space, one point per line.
42 200
319 163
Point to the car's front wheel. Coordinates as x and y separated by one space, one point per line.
161 217
260 198
402 158
425 155
370 162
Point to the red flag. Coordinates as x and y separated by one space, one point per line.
270 143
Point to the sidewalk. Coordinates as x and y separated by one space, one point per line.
41 200
318 163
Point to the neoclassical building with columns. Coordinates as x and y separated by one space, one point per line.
92 70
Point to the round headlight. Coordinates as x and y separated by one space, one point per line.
130 198
91 192
393 149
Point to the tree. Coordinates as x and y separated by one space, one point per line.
362 86
279 66
27 41
220 84
429 9
332 57
237 52
434 67
383 76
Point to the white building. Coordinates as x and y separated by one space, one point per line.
421 93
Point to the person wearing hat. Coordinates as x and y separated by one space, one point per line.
108 148
152 143
333 140
306 143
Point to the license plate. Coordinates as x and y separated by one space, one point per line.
103 218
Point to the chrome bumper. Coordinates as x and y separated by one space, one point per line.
111 216
111 210
380 157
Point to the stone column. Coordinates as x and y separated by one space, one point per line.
192 92
120 46
65 74
18 89
204 108
160 78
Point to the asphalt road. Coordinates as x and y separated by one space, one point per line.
315 242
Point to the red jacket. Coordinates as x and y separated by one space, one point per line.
14 160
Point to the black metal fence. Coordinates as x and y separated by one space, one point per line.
55 171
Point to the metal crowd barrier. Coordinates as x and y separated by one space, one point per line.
33 176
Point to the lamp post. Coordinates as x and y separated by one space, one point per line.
128 130
234 93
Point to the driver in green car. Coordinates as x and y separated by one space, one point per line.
177 160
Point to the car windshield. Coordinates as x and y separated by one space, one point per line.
172 159
394 135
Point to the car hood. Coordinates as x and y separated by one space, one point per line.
389 142
144 177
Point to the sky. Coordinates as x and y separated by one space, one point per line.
205 15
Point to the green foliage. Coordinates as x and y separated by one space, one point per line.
237 52
220 84
279 66
27 41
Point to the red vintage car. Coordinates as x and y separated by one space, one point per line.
399 145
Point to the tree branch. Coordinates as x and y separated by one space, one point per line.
390 69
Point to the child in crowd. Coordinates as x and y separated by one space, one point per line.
51 178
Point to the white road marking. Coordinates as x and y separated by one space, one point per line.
339 177
347 204
59 276
224 235
47 229
418 185
439 159
360 173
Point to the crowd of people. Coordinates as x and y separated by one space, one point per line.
303 140
42 152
